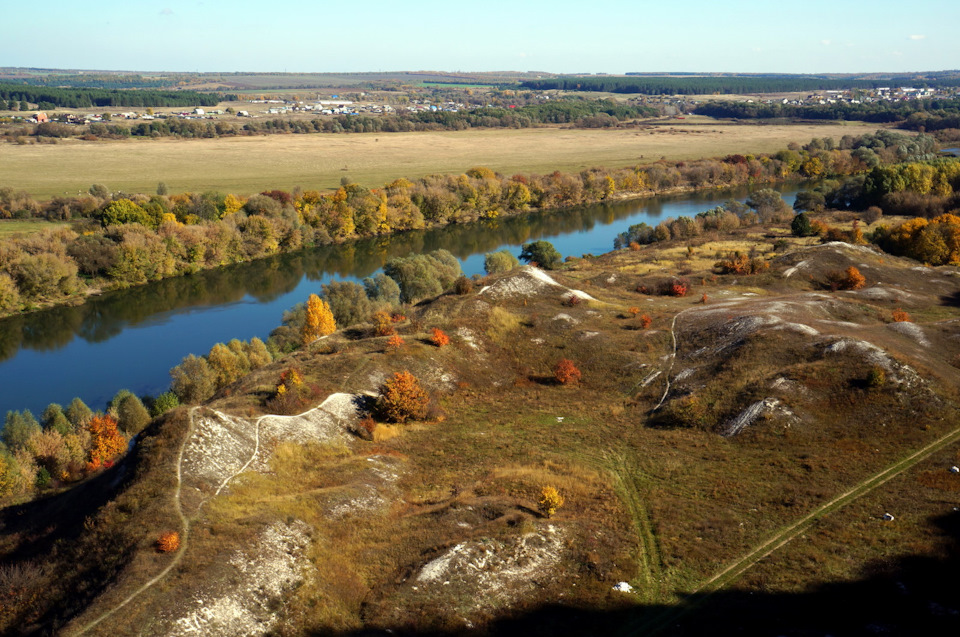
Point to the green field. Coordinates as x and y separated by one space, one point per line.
9 227
247 165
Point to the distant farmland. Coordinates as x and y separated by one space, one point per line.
246 165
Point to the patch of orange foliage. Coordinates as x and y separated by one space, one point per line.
899 316
168 542
439 337
565 372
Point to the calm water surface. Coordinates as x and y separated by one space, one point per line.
131 338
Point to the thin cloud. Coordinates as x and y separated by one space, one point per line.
166 11
918 37
826 42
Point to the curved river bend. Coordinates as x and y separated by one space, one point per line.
131 338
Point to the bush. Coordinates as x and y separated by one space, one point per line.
382 324
497 262
565 372
348 302
402 398
164 403
645 321
395 342
550 500
899 316
876 377
801 226
168 542
849 279
463 285
439 337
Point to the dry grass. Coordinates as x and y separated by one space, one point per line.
251 164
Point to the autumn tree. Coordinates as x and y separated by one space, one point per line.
401 398
319 320
382 323
497 262
168 542
106 443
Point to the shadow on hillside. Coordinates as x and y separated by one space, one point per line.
910 595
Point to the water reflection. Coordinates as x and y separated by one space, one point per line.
246 296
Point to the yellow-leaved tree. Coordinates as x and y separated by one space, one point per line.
319 321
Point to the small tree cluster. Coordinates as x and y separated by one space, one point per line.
291 394
541 254
565 372
550 500
497 262
401 398
438 337
197 378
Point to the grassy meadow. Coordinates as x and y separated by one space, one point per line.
246 165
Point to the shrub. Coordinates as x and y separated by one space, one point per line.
565 372
402 398
645 321
876 377
497 262
291 394
164 403
168 542
849 279
634 311
382 324
899 316
801 226
439 338
463 285
550 500
572 301
395 342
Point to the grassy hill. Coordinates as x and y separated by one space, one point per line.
730 453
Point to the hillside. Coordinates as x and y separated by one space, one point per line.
729 453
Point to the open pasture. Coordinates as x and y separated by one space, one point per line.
246 165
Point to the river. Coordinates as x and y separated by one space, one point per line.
131 338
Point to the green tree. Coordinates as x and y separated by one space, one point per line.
801 226
162 189
382 289
78 414
18 428
132 416
193 380
54 419
541 253
164 403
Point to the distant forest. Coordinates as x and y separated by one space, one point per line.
930 114
49 97
95 80
724 84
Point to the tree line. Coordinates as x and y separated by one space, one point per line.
919 114
53 97
700 85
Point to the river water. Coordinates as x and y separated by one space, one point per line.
131 338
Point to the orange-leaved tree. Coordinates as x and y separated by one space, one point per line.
319 321
106 443
565 372
402 398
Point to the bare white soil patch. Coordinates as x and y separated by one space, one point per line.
884 293
496 572
874 355
263 576
911 330
749 415
529 281
221 445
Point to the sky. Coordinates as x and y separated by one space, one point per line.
595 36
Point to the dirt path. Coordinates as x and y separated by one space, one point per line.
734 570
185 522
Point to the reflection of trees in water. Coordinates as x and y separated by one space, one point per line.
103 317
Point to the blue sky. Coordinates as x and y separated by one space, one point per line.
611 36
